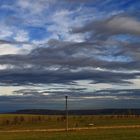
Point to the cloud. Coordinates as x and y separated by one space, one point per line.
22 36
30 76
73 61
81 93
82 1
115 25
15 47
5 31
102 48
77 100
62 20
33 6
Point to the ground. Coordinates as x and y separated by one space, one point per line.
14 127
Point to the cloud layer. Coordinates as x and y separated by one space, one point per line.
88 50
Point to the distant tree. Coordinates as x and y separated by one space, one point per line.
76 124
58 119
7 122
49 118
63 118
22 119
15 120
39 119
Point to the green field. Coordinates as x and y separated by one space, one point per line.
31 122
8 122
109 134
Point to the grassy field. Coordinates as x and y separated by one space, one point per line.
24 122
8 122
109 134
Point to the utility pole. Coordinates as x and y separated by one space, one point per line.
66 97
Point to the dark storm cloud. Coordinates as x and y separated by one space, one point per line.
12 103
65 62
82 1
75 55
9 103
55 99
63 76
108 54
107 93
13 42
131 49
132 93
115 25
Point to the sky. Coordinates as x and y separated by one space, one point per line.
88 50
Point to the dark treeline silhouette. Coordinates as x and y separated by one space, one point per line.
80 112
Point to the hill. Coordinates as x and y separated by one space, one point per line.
80 112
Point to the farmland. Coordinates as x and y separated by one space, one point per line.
20 123
10 122
109 134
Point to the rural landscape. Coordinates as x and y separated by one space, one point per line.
69 69
53 127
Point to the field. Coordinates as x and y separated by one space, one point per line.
11 123
109 134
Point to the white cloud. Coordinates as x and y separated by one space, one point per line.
5 31
6 66
136 83
21 36
8 90
34 6
8 49
26 49
14 49
61 25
